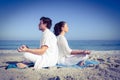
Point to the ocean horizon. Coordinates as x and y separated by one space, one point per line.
74 44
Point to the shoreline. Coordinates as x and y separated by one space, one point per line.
7 50
104 71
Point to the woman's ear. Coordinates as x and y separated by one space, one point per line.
62 28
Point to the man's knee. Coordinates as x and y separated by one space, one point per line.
26 54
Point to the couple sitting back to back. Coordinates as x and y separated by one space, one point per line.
52 50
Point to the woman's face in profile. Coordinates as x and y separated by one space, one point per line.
65 28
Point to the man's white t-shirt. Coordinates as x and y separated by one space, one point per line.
50 57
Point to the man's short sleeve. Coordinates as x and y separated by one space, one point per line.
46 41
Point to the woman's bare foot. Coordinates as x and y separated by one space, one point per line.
21 65
81 63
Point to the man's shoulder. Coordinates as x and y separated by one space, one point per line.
49 33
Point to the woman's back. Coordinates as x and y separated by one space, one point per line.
63 47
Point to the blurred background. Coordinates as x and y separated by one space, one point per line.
87 19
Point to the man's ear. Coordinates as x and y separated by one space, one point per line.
45 24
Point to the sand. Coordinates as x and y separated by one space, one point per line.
108 69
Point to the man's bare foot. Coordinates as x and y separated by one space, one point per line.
21 65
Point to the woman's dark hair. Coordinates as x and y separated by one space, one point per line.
58 27
47 21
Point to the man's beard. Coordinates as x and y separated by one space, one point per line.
40 29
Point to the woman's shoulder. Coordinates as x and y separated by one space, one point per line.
61 38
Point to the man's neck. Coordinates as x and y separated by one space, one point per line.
44 29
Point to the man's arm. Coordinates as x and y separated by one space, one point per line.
39 51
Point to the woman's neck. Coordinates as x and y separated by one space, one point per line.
62 33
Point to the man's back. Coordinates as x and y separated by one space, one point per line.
49 39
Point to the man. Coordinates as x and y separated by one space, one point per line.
47 54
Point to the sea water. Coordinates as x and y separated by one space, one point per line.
74 44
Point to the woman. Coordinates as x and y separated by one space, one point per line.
68 56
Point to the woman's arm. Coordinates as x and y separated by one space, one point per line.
68 50
74 52
77 52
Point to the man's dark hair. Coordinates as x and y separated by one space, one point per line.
47 21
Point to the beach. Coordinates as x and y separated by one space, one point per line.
108 69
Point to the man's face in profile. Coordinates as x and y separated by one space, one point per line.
42 26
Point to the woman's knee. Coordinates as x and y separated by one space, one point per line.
86 57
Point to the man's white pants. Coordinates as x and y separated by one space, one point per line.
37 59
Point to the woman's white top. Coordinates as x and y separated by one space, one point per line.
63 46
64 50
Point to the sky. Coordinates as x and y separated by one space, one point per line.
86 19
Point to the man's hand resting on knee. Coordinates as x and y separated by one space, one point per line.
23 48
